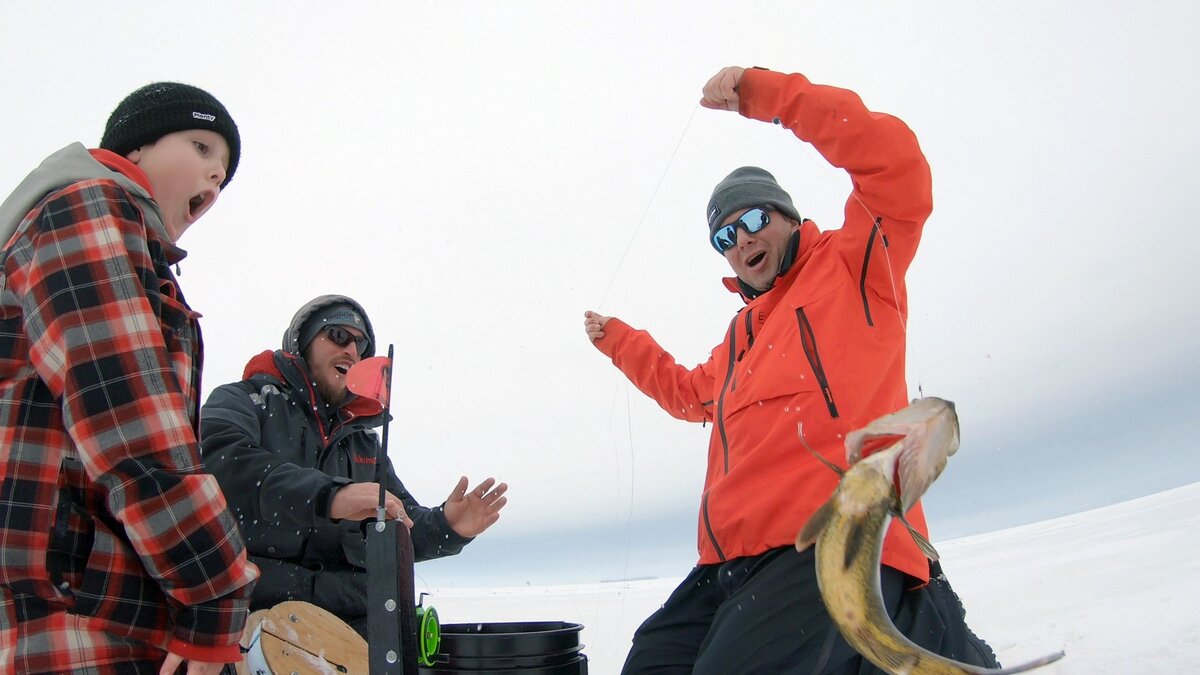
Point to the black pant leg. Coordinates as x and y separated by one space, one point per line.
775 623
667 642
933 617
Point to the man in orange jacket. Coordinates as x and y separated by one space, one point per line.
819 347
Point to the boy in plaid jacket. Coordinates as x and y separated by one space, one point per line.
117 552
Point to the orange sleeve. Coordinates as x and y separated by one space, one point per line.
684 393
892 184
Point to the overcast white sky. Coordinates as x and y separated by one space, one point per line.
478 174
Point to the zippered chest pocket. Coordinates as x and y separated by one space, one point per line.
789 356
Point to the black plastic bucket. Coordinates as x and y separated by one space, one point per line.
531 648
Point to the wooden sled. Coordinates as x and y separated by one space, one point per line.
298 637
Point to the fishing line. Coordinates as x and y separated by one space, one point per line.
646 211
628 408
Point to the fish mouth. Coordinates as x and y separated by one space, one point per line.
910 445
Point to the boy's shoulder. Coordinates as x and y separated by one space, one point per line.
66 167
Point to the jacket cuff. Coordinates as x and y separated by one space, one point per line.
762 92
193 652
324 498
614 330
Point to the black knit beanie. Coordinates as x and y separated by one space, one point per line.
746 187
337 314
161 108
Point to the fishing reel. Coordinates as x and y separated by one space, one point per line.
429 633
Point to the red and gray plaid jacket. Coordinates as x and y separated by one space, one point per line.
114 544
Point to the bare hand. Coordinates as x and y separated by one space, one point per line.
470 513
173 661
358 501
720 93
593 324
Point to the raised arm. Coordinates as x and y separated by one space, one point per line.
892 186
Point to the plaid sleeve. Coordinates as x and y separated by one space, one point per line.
96 341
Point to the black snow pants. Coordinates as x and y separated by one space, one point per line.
764 614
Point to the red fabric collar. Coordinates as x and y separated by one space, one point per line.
122 165
264 364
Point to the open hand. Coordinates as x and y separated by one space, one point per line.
470 513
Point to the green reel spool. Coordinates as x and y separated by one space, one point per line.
429 634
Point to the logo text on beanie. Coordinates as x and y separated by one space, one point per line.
204 116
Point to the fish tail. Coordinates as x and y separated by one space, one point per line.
1028 665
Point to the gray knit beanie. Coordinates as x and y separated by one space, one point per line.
746 187
162 108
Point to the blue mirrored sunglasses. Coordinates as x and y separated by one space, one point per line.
752 221
342 337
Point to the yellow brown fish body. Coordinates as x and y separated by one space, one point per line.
849 530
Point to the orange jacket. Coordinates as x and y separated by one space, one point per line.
821 353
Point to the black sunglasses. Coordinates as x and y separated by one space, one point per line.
725 237
342 337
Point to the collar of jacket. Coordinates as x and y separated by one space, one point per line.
76 163
122 165
266 363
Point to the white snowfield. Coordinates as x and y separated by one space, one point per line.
1118 588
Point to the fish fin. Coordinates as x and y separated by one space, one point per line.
813 528
857 535
836 469
922 542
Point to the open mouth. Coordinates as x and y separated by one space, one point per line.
756 259
342 368
198 205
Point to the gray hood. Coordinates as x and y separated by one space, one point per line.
291 337
70 165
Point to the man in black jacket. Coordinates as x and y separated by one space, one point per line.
295 453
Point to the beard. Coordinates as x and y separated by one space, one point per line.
333 392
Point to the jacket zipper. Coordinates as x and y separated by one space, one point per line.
809 341
712 538
749 333
862 280
720 420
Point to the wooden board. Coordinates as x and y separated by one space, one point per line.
298 637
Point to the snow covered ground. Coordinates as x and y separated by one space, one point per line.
1118 588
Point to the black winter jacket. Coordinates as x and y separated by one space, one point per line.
279 454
